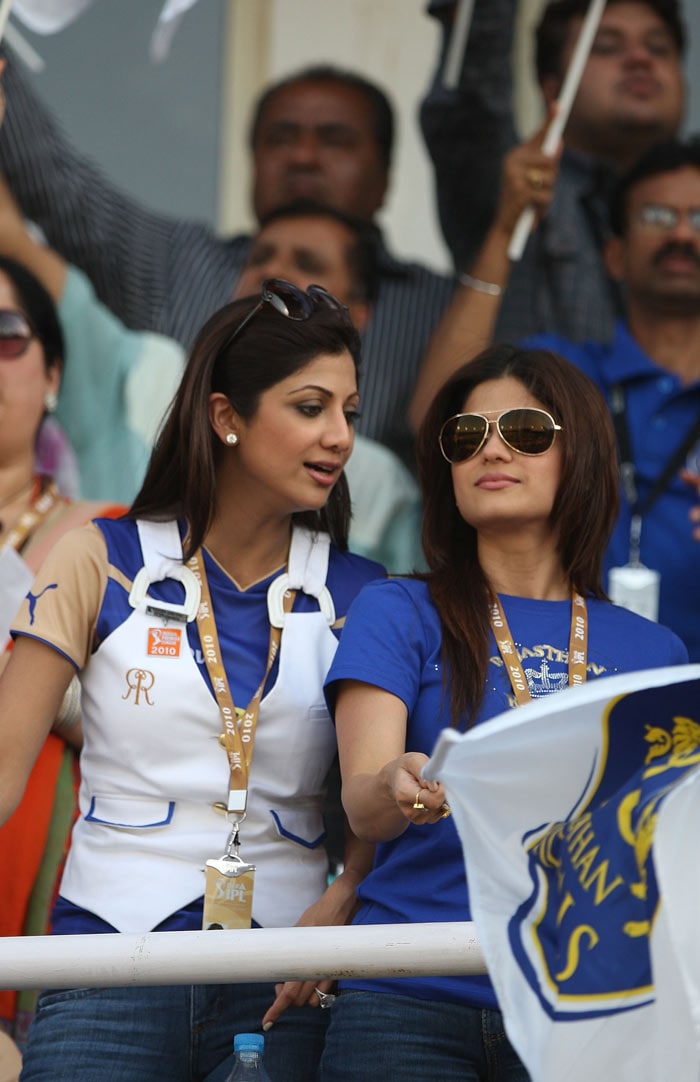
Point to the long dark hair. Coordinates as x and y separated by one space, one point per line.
181 476
584 511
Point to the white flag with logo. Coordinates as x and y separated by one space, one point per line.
578 815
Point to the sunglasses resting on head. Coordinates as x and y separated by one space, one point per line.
15 333
290 301
527 430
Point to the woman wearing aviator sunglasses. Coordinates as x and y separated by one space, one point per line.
518 472
202 626
33 516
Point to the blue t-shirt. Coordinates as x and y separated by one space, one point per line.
244 632
392 640
660 410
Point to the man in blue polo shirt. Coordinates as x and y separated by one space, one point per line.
649 370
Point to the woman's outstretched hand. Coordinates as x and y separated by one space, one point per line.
420 801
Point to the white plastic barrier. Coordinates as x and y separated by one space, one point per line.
265 954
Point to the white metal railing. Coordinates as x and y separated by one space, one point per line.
222 957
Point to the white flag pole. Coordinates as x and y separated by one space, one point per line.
458 43
4 12
555 129
23 49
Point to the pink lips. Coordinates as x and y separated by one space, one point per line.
325 473
492 482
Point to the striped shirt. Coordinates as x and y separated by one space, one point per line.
167 275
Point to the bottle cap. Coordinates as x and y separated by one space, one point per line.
249 1042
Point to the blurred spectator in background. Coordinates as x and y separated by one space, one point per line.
118 383
631 95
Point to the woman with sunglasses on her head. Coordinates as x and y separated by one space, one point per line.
33 516
518 472
219 597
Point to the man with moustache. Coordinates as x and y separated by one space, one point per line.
322 134
630 97
650 374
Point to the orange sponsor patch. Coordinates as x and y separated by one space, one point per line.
164 641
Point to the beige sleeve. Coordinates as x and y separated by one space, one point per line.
62 606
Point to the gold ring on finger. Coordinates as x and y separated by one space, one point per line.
417 806
535 178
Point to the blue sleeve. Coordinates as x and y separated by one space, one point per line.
383 643
556 342
347 574
678 651
587 356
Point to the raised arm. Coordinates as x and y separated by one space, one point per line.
467 130
17 243
15 240
468 324
129 252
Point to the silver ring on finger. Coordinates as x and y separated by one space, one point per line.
325 999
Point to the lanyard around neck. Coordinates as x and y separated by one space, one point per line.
239 737
628 470
42 505
578 647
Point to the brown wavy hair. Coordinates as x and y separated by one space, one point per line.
583 515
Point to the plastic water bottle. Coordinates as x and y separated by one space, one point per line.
248 1059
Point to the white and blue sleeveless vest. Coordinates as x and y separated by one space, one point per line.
153 767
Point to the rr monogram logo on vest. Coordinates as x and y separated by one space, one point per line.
581 938
140 682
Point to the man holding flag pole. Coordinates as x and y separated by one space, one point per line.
630 96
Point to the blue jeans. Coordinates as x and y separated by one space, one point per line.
376 1035
166 1034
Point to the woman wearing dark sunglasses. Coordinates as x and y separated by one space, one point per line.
518 472
202 626
33 516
